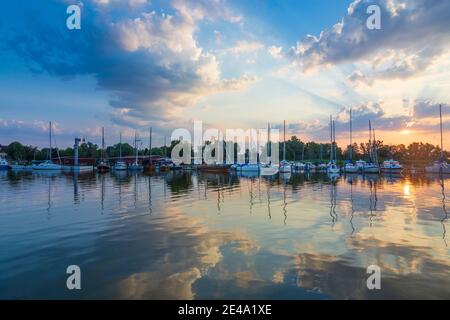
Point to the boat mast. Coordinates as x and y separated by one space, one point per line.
269 153
50 140
374 152
165 145
334 142
331 138
351 137
370 142
442 141
103 143
135 146
120 147
284 140
150 147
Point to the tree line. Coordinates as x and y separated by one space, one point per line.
296 150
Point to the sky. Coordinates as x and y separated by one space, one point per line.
228 63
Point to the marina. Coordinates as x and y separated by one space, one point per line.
239 153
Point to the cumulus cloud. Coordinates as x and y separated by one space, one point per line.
413 33
150 63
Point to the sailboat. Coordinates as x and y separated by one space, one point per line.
136 166
48 164
120 165
372 167
285 166
103 166
441 166
349 166
333 169
268 169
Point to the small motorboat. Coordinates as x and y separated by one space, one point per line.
4 164
391 167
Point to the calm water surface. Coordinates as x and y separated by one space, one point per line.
195 236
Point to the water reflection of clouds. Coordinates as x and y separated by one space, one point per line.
185 250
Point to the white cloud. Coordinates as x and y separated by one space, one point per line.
413 33
275 52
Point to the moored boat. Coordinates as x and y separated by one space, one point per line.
350 168
120 166
48 164
440 166
4 164
391 167
103 166
333 168
269 170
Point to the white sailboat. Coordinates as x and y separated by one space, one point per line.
441 166
120 165
332 168
48 164
285 166
136 166
268 169
372 167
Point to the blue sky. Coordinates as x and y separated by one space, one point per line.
231 64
